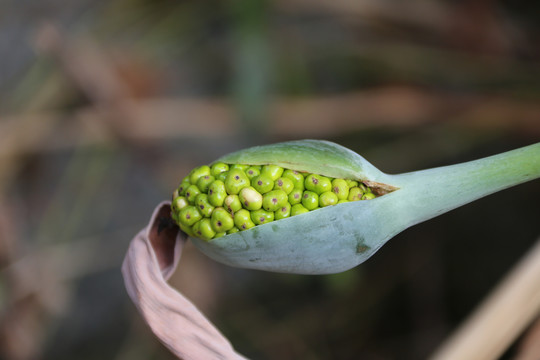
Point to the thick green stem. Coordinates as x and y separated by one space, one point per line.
428 193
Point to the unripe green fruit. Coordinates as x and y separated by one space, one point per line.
241 167
217 193
355 194
242 220
340 188
295 197
317 183
183 186
220 234
284 184
189 215
233 230
232 203
283 212
218 168
262 183
296 177
274 200
352 183
368 196
261 216
204 182
204 229
221 220
236 180
328 198
191 193
298 209
310 200
272 171
179 203
222 176
203 205
342 201
252 172
198 172
187 229
250 198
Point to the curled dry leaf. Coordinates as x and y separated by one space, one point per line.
151 259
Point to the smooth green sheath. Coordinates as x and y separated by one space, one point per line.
337 238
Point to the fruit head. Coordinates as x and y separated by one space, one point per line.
224 198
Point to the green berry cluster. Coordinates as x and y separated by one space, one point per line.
221 199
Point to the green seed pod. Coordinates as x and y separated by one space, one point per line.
183 186
298 209
236 180
368 196
253 171
205 230
217 193
355 194
340 188
222 176
272 171
189 215
274 200
232 203
179 203
283 212
221 220
242 220
310 200
191 193
328 198
317 183
203 205
296 177
295 197
218 168
284 184
262 183
198 172
250 198
261 216
204 182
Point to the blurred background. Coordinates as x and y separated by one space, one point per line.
106 105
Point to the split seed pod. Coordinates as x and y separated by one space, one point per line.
339 237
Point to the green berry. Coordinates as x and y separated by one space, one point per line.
187 229
262 183
233 230
351 183
284 184
241 167
222 176
198 172
221 220
355 194
220 234
272 171
283 212
217 193
252 172
250 198
204 182
205 230
218 168
189 215
183 186
296 177
232 203
191 193
242 220
236 180
261 216
274 200
298 209
340 188
342 201
203 205
368 196
295 197
179 203
317 183
310 200
328 198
